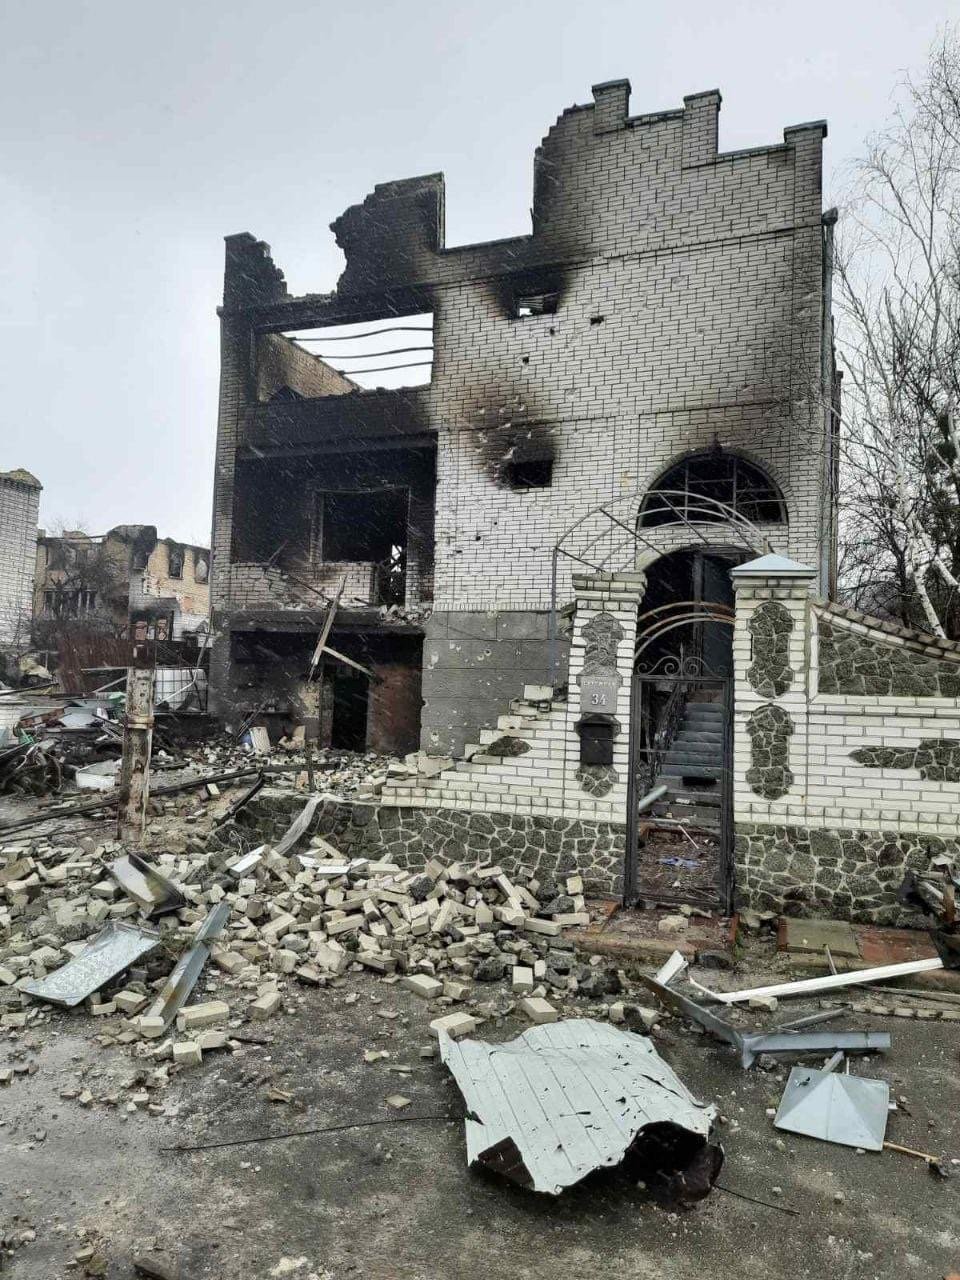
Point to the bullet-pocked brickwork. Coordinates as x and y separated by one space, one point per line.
684 311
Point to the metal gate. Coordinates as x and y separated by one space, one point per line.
680 842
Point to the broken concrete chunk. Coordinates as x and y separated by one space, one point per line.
454 1025
210 1014
538 1010
421 985
187 1053
265 1006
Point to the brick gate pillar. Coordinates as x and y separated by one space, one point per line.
771 658
601 669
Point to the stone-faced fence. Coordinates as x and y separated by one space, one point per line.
847 750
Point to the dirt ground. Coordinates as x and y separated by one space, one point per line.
397 1201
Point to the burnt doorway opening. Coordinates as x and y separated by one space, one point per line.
349 695
679 820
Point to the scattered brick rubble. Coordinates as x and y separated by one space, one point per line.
471 943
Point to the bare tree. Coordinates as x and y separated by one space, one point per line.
898 301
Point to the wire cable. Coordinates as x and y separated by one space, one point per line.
369 333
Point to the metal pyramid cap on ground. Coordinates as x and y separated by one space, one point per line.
774 565
850 1110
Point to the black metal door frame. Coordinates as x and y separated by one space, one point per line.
691 676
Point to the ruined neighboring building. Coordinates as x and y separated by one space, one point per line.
663 329
19 509
127 582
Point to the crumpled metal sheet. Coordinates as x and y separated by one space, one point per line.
114 949
564 1099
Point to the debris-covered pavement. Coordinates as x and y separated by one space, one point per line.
322 1008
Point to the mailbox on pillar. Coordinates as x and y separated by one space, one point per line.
597 733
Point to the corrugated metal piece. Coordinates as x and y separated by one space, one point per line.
566 1098
298 827
850 1110
114 949
187 970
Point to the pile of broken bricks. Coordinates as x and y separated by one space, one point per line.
291 920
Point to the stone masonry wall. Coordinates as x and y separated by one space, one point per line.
535 844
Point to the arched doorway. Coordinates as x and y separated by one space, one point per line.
692 581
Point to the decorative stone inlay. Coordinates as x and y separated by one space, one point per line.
770 674
839 873
506 746
601 635
770 729
938 759
597 779
852 663
548 847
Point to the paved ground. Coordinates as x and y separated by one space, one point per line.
395 1202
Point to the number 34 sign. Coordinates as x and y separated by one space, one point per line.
599 693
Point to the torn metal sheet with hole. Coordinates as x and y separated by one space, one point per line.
571 1097
152 892
114 949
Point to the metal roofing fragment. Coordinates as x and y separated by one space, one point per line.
828 982
114 949
566 1098
850 1110
750 1046
152 892
183 979
298 827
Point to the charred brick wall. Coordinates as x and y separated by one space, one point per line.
687 311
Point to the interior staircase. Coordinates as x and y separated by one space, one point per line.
692 766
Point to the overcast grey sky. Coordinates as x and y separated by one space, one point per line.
133 137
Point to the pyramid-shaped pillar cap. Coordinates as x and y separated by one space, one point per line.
773 566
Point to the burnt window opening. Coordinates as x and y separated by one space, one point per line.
690 490
201 570
367 527
388 352
535 304
175 562
528 473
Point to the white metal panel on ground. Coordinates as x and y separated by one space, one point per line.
564 1099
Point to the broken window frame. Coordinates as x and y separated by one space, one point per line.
175 562
391 568
746 488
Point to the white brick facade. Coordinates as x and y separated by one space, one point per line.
19 510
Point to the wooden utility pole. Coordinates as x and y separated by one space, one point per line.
135 767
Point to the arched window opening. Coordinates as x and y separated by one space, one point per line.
692 489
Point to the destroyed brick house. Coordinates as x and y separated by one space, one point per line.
588 561
655 331
128 583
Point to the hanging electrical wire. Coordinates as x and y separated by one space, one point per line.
386 368
368 333
366 355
